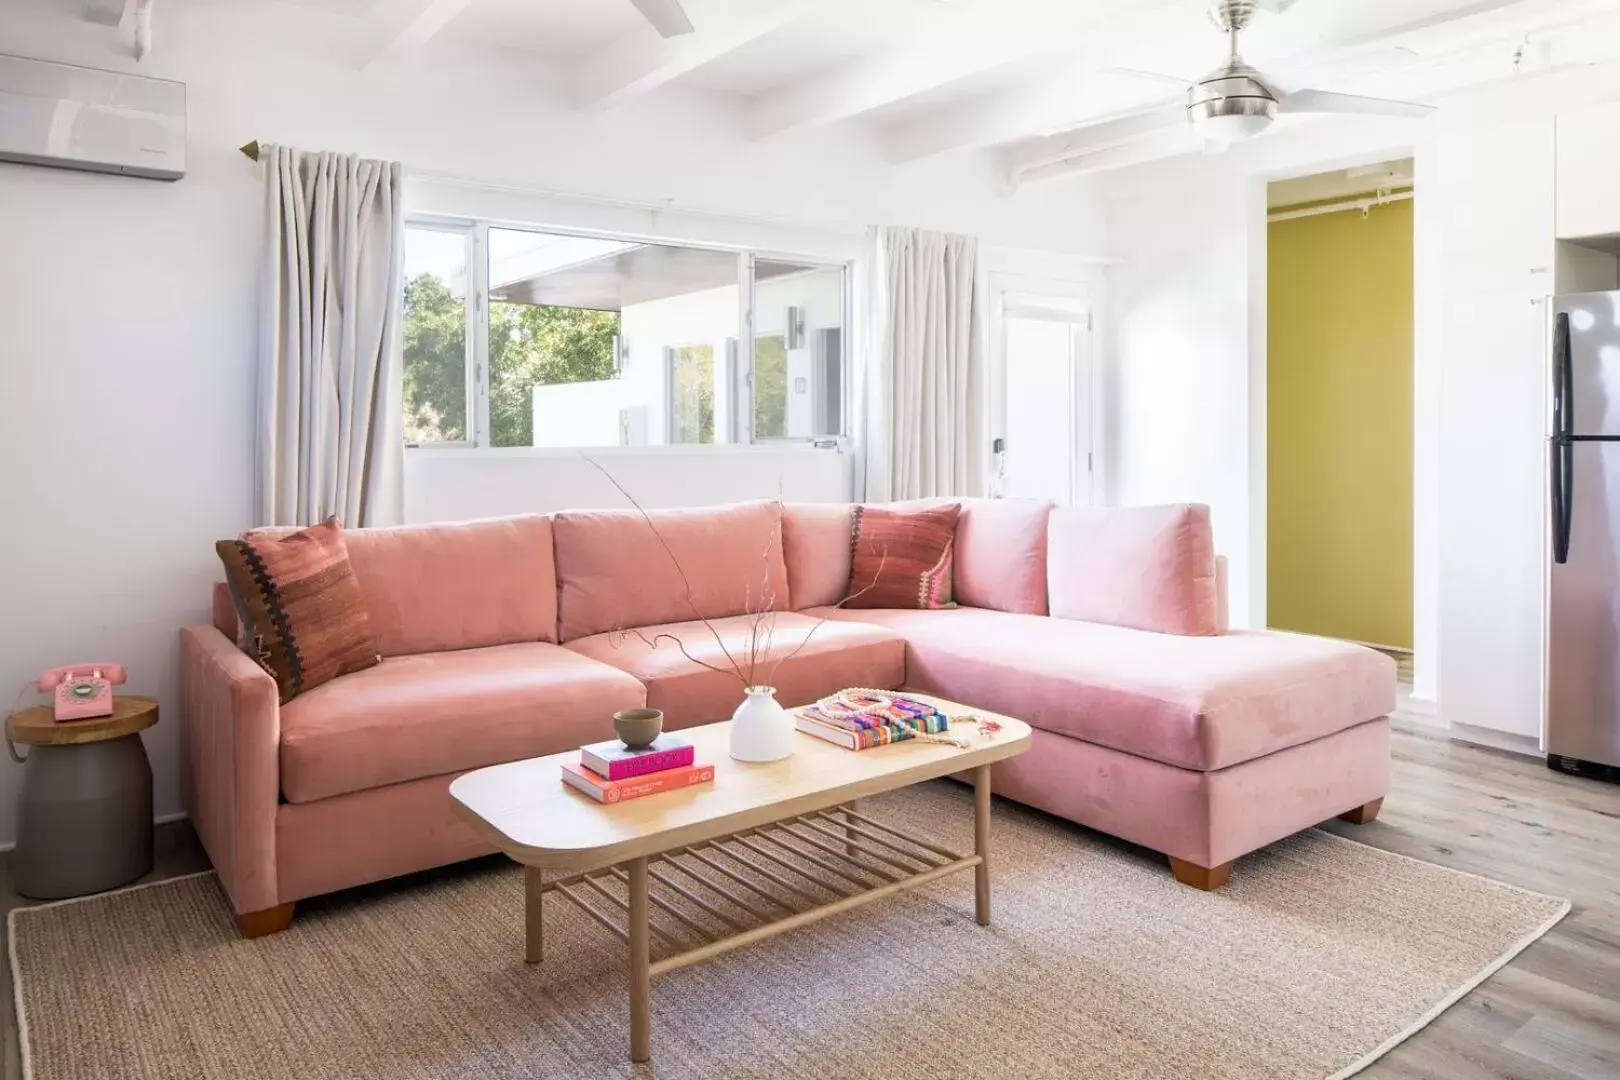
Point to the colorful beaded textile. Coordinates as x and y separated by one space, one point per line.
896 716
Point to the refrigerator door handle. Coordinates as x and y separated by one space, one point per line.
1563 446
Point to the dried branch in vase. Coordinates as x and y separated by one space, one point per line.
756 659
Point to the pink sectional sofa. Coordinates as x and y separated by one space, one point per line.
505 639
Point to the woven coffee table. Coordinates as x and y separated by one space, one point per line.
764 849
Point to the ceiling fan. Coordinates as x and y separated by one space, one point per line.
667 16
1236 101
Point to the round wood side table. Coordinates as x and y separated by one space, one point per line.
84 821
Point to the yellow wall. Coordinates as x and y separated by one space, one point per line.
1339 425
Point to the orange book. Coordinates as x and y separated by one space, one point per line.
604 790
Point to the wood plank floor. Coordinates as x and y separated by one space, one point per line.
1553 1014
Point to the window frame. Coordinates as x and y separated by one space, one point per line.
846 354
737 433
468 422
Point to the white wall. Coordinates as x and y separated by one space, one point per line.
127 307
1176 379
448 485
1187 307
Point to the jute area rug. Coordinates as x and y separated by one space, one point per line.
1318 957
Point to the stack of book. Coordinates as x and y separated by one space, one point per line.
862 719
611 772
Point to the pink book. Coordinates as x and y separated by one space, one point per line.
615 761
612 791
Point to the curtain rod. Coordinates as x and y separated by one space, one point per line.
251 151
1334 208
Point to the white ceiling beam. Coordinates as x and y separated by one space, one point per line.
1022 158
133 18
395 26
109 12
1171 142
141 31
997 118
643 62
954 45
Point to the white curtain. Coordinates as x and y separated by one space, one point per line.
925 389
330 437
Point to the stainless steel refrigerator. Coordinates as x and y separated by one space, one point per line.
1583 586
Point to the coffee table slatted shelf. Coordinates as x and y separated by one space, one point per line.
723 894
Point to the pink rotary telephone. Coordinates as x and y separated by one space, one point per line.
82 690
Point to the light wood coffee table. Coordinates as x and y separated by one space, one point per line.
762 850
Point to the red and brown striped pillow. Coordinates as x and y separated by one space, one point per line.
902 558
300 605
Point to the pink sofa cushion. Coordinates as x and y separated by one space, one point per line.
1147 567
614 572
837 655
1199 703
429 588
1001 554
815 541
433 713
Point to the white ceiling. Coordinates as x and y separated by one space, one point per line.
551 28
930 77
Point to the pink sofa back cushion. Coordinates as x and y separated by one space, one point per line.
815 542
1001 555
459 585
1148 567
613 572
467 585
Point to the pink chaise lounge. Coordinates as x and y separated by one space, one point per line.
503 639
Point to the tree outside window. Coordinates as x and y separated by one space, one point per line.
770 387
691 396
527 346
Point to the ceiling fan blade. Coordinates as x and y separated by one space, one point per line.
1275 6
667 16
1326 101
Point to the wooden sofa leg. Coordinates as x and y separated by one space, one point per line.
257 924
1199 877
1363 813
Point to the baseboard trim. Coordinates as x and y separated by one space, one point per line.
161 819
1524 745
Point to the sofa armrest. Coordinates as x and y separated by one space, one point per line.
1223 612
230 776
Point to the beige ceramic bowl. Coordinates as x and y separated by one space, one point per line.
637 728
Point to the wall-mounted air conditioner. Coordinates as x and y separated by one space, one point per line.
101 121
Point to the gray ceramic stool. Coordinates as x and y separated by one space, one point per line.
84 822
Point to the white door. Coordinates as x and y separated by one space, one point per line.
1046 397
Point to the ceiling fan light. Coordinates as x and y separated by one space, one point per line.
1229 127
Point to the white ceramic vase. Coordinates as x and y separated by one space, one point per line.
761 730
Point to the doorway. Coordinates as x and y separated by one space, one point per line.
1339 406
1044 397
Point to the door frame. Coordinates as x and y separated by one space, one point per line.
1072 299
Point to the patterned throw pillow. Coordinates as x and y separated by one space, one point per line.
902 558
301 609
